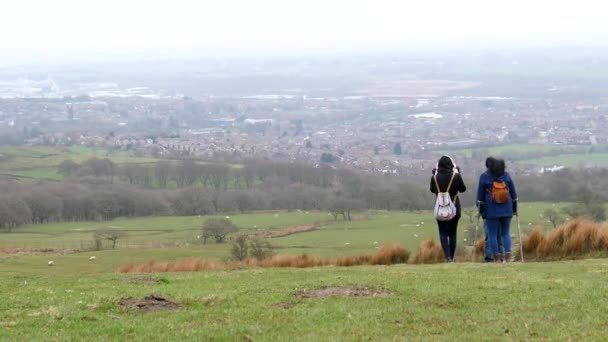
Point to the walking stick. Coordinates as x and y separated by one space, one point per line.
521 245
475 241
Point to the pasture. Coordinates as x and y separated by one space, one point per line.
42 162
581 160
562 300
80 299
333 238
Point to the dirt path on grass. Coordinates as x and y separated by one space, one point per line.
285 231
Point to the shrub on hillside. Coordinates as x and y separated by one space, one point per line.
239 248
260 249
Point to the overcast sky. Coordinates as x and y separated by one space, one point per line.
66 30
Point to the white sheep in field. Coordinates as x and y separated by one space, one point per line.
375 242
92 258
50 263
347 244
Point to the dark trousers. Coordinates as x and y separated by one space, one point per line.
447 236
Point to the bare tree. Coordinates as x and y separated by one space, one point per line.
240 247
162 173
44 206
260 249
68 168
192 201
553 216
244 201
109 234
218 228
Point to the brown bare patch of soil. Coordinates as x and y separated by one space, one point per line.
148 303
287 231
325 292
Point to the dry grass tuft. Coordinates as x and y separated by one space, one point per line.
355 260
184 265
533 240
429 252
391 253
387 255
572 239
299 261
480 246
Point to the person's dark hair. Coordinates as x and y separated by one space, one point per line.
497 168
445 162
490 161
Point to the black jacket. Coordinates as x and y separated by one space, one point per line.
443 178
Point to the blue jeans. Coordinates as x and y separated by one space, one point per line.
488 251
499 226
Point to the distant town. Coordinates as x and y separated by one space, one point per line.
396 127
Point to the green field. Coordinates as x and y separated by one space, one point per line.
514 149
77 299
564 300
572 160
147 232
331 239
42 162
555 155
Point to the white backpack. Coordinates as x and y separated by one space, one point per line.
445 209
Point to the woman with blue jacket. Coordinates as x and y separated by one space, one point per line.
497 201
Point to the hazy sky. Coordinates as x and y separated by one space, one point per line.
55 30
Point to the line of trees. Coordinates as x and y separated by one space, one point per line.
105 196
185 173
101 190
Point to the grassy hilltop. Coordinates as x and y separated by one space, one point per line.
82 299
563 300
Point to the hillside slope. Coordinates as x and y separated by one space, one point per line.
471 301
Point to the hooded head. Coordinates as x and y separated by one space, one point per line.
490 162
496 167
446 163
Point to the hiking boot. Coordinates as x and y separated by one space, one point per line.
508 257
497 258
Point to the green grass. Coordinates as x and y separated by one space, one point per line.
146 232
42 162
572 160
564 300
76 298
517 149
330 240
43 173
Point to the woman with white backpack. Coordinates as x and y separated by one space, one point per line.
446 183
